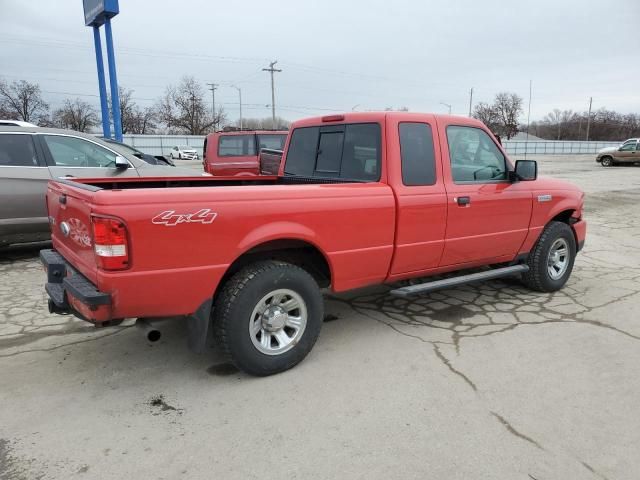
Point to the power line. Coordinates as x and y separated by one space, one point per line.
272 70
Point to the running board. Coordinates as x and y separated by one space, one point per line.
455 281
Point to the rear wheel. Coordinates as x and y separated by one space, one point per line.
551 261
268 317
606 161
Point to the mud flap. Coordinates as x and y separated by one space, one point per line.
199 331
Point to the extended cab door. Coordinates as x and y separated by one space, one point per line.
70 156
415 171
487 215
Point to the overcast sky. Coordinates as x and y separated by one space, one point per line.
339 55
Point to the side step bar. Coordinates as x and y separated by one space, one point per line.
455 281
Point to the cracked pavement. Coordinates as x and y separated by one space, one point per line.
488 380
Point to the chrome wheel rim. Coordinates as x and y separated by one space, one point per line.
606 161
278 321
558 259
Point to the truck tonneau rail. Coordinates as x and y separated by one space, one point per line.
95 185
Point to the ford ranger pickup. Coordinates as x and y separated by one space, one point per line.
360 199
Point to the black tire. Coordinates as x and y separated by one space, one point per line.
232 315
606 161
538 277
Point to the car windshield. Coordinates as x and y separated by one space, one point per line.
185 147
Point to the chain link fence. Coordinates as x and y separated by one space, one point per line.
549 147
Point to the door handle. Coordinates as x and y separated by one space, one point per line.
462 201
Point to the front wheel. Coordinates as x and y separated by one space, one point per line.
606 161
551 261
268 317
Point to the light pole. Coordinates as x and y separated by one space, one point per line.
446 105
240 98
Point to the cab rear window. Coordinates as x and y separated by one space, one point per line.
237 146
349 152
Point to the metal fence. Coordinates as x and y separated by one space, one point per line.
162 144
561 147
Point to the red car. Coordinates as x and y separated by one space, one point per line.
232 154
361 199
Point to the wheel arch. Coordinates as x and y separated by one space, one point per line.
297 250
565 216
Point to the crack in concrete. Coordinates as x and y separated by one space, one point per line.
447 363
515 432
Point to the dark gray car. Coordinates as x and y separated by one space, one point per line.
30 156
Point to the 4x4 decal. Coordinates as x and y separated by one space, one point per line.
170 218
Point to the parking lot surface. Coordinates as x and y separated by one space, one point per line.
483 381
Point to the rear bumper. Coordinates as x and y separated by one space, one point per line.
71 292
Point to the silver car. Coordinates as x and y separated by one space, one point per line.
30 156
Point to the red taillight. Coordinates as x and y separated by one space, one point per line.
110 243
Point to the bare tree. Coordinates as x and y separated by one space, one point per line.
134 119
264 123
22 100
183 109
486 114
508 107
76 115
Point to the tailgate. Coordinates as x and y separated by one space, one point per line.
69 208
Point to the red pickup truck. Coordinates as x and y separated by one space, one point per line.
237 153
360 199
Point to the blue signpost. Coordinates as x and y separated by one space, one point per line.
96 14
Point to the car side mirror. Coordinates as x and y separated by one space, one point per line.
526 170
121 163
270 161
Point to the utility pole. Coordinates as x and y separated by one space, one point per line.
470 100
213 87
589 118
272 70
240 97
446 105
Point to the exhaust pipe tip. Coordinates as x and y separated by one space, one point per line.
151 333
154 335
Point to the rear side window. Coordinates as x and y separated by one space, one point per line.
350 152
273 142
17 151
417 153
237 146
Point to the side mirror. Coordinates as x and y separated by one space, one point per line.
121 163
526 170
270 161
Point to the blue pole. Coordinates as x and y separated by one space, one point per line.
113 81
106 127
